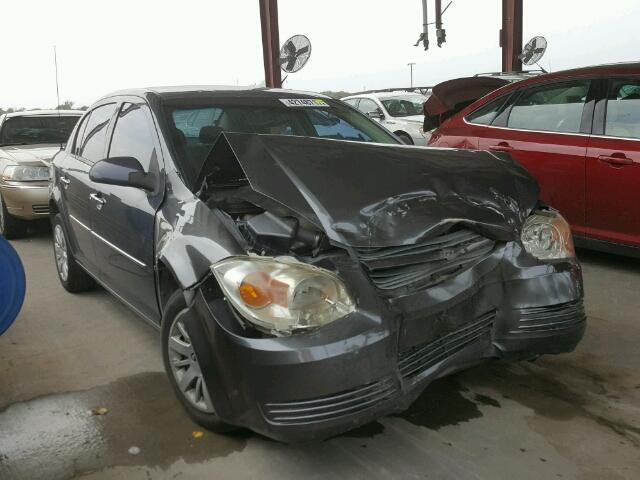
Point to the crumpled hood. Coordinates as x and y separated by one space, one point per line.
30 154
374 195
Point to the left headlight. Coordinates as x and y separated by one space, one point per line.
281 295
18 173
547 236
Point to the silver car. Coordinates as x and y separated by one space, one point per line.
28 142
400 112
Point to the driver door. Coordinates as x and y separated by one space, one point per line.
124 217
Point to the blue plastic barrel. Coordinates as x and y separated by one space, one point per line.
12 284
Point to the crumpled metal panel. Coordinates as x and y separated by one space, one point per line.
373 195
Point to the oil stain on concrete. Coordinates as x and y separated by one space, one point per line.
441 404
60 436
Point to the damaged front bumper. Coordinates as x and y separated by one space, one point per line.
377 360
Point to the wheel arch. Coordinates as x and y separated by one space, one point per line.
404 134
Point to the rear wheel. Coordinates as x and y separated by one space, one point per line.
10 226
183 368
72 277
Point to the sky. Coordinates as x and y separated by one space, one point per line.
357 44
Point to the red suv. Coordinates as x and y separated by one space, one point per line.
578 133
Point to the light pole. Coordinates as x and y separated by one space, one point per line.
411 64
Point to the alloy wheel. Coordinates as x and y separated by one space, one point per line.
60 252
186 368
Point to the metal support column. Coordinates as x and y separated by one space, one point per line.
511 35
441 34
270 43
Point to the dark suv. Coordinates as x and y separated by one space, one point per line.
308 272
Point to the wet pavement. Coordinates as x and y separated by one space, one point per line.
83 394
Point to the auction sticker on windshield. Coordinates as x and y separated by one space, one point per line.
304 102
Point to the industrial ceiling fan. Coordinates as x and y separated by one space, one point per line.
295 53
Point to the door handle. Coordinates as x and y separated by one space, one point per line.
616 160
65 181
99 199
501 147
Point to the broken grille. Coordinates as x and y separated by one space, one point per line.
417 359
424 264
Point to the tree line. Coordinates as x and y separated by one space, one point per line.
66 105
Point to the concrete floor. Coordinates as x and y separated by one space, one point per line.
571 416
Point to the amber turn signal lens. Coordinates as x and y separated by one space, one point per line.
254 290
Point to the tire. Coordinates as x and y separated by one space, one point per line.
406 139
10 226
179 359
72 277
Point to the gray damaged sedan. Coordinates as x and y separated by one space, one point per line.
308 272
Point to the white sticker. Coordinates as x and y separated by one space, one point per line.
304 102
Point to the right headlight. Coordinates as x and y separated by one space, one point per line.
281 295
547 236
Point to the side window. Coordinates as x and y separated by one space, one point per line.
367 105
486 114
352 101
91 144
133 135
623 109
550 108
79 133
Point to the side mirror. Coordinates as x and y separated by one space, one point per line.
376 115
122 171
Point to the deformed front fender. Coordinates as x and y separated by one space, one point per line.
190 237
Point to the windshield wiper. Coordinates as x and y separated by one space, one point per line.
13 144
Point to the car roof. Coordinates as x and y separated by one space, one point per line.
623 68
189 91
39 113
378 95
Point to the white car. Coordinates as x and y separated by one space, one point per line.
400 112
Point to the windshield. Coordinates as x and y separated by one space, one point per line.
32 130
196 127
404 105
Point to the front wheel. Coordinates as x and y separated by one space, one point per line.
183 368
72 277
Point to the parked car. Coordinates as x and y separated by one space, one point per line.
28 141
307 271
578 133
399 112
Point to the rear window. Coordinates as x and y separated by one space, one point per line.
404 105
33 130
